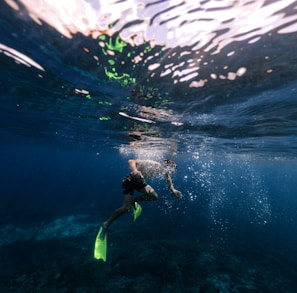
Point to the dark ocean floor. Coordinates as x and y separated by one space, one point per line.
138 262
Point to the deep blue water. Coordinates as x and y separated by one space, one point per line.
75 109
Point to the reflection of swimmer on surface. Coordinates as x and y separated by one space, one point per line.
142 136
136 136
149 140
141 169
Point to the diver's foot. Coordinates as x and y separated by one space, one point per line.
137 210
103 232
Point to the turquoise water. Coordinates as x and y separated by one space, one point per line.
88 86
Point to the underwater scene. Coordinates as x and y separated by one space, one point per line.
90 87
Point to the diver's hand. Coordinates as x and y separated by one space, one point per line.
177 193
137 174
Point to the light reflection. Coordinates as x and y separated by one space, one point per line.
200 26
19 57
178 26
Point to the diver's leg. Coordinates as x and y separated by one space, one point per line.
128 189
127 203
148 194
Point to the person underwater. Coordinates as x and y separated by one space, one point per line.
135 181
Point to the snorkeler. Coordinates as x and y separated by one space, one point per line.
140 169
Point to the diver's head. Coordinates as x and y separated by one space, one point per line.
170 166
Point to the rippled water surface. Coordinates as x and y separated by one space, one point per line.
211 75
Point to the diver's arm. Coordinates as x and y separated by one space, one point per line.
133 167
174 191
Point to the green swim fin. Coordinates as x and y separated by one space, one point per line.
137 210
100 247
